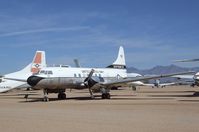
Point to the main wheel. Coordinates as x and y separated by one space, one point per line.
61 96
106 96
103 96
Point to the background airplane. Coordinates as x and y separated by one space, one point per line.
194 77
39 61
158 84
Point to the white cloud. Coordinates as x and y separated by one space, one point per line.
43 30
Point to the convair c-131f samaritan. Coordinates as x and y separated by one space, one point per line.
58 79
39 61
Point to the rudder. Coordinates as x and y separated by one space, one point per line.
119 63
38 62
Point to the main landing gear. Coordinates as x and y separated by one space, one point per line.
105 93
46 99
106 96
61 96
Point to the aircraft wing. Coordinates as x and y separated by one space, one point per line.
187 60
142 78
15 79
184 76
167 84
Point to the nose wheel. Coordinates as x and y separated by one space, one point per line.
46 99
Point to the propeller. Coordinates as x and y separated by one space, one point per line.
89 82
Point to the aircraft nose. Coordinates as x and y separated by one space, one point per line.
33 80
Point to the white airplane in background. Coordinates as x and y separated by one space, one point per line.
195 77
39 61
157 84
58 79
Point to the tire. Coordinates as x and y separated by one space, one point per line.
103 96
61 96
108 96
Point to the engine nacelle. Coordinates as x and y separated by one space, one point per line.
90 82
33 80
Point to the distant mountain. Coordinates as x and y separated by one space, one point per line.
161 70
157 70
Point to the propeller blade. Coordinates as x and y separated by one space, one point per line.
86 82
91 73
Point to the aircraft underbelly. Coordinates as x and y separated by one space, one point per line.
59 83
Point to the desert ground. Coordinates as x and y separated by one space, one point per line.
169 109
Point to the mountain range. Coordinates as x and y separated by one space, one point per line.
157 70
161 70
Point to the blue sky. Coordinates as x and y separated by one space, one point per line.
153 32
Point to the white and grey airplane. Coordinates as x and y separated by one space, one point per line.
157 84
39 61
58 79
195 77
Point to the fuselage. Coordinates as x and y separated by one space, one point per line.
72 77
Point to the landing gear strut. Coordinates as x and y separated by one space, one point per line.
46 99
91 94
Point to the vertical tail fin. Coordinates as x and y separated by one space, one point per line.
119 63
38 62
77 64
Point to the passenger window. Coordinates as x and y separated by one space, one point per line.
75 75
79 75
50 72
101 79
